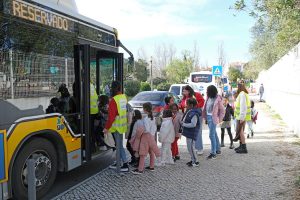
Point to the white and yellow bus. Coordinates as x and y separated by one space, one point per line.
44 44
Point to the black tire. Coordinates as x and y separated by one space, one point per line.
45 157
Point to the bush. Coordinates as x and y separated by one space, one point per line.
163 86
132 87
145 86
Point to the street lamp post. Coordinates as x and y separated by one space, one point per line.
151 79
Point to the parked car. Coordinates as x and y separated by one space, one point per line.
156 98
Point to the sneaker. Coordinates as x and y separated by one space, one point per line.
113 166
222 145
231 146
160 164
218 152
170 162
211 156
177 157
125 168
196 164
133 161
150 169
252 133
199 153
137 172
189 163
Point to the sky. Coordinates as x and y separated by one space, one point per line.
147 24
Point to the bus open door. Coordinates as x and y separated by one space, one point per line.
98 68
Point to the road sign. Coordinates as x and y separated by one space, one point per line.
217 70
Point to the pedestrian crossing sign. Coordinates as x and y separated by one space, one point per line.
217 70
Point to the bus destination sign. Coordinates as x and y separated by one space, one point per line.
30 12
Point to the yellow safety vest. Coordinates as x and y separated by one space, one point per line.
120 123
238 108
93 100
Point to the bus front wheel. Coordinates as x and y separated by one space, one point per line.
44 155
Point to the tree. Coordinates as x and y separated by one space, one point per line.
163 55
145 86
276 31
178 69
141 70
196 56
131 87
250 72
234 74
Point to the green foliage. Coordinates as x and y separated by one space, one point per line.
178 69
132 87
234 74
163 86
276 31
158 80
145 86
141 72
250 71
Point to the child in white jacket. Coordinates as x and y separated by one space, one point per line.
166 138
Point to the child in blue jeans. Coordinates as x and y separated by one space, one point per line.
191 127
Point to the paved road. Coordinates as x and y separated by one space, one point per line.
268 171
65 181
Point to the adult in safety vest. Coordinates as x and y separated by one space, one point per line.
94 110
242 113
117 124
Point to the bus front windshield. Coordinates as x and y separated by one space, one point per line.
202 78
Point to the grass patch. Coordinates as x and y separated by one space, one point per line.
298 181
297 142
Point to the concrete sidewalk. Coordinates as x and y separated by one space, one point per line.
268 171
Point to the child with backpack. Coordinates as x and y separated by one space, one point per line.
254 114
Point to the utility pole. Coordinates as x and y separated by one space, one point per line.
151 76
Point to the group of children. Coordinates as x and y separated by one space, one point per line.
141 138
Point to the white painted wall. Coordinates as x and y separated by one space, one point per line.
282 88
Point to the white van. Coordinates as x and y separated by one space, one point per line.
177 89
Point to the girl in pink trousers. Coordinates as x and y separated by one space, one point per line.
144 142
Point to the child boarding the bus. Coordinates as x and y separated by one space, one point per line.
144 142
166 138
135 122
191 126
